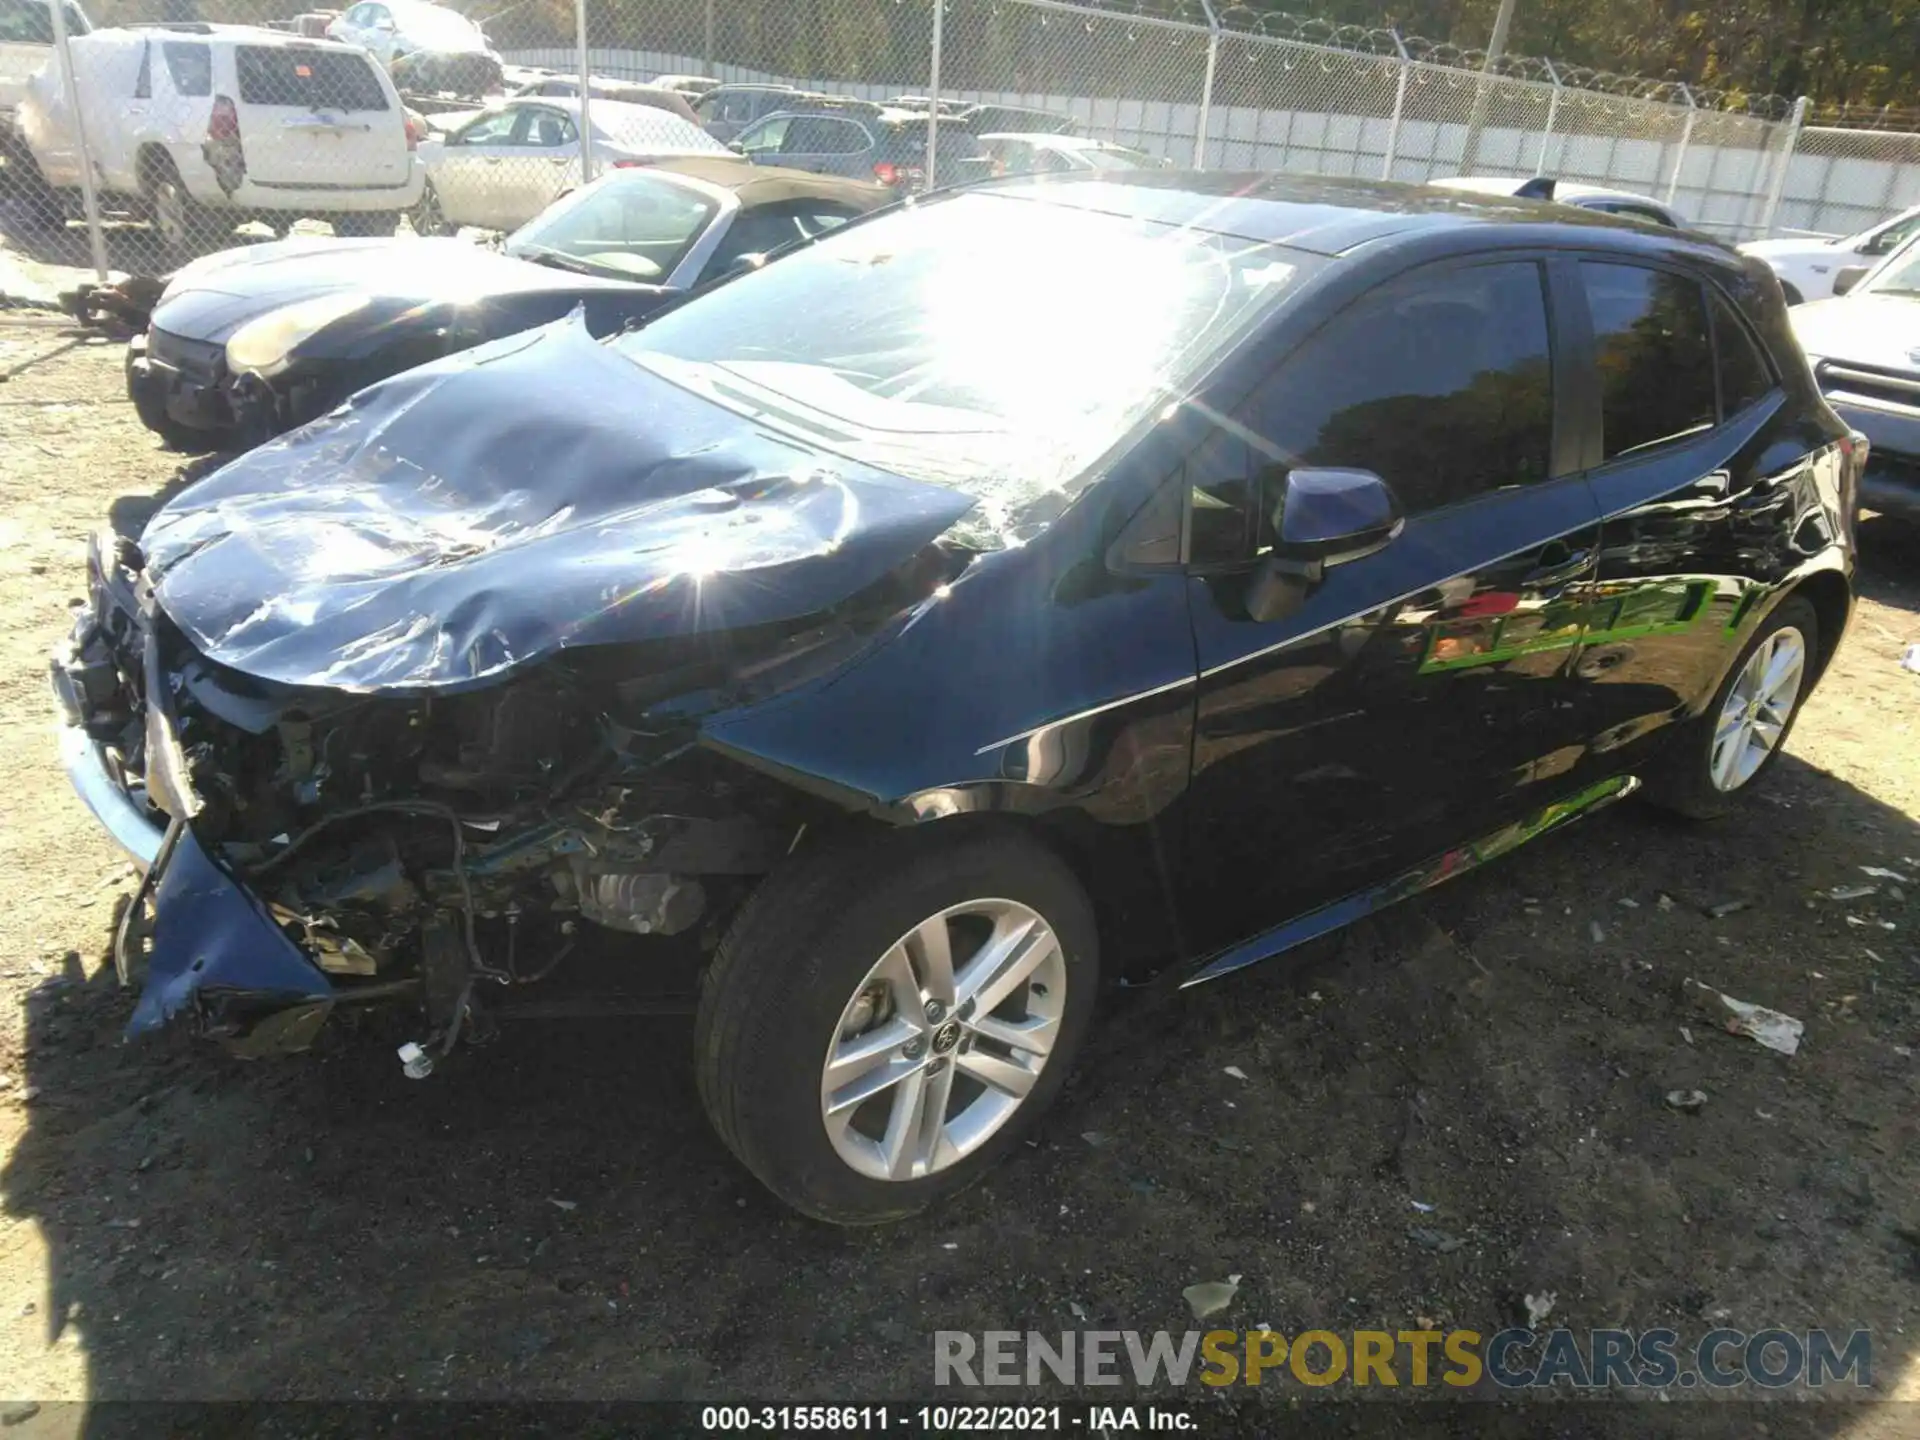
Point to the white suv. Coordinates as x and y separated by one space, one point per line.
209 125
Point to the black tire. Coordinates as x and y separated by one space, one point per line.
795 957
426 217
32 203
1683 781
187 229
365 223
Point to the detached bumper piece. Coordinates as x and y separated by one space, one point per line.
218 956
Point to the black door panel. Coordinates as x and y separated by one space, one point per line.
1420 695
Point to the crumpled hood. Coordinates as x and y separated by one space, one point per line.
461 520
212 298
1866 328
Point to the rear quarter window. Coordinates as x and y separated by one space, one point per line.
190 67
1654 354
308 79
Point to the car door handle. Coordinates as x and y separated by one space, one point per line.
1558 566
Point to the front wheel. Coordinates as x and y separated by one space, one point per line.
887 1018
1723 753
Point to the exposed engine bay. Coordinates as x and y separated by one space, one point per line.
445 848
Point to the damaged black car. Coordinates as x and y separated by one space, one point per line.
256 340
1040 587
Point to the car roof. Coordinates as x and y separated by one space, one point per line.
1053 138
757 185
1543 187
198 30
1329 216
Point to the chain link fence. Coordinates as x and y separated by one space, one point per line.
186 126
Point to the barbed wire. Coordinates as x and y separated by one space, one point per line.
1388 43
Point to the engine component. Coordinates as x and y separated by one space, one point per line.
640 904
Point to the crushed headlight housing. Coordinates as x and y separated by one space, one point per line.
262 346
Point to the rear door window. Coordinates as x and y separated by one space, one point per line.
308 79
549 128
1654 354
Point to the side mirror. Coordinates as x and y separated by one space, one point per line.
736 147
1319 518
1849 276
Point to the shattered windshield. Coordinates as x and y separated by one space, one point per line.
990 343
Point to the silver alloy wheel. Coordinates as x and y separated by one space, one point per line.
1756 711
943 1040
426 217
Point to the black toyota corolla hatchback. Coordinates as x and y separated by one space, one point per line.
1031 587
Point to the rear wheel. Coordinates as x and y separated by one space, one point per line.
426 216
366 223
186 228
885 1020
1724 752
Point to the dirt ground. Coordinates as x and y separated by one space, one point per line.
180 1225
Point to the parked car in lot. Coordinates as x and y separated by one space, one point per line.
865 142
455 74
1041 154
248 343
1808 265
726 110
1046 583
204 127
1586 197
626 92
1864 347
26 43
391 29
692 86
505 165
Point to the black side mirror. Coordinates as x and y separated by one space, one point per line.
736 147
1849 276
1319 518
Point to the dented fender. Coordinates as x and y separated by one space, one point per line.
212 939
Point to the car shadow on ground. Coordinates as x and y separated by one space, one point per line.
1890 561
550 1217
131 246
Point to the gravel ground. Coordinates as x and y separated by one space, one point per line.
180 1225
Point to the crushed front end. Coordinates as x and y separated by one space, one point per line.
309 849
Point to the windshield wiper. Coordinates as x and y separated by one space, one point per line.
560 260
